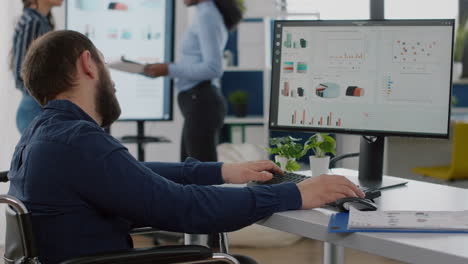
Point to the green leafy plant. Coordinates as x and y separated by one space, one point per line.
460 38
454 100
321 144
241 5
238 97
289 148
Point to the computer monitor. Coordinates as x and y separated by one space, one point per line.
136 30
373 78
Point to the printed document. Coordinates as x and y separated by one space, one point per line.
412 220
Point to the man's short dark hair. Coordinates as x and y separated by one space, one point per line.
49 67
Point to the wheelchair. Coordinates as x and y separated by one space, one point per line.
20 247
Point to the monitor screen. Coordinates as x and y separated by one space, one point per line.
139 30
389 77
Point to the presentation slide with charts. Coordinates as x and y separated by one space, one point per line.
392 76
136 30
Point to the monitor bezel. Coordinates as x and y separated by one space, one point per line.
275 77
168 82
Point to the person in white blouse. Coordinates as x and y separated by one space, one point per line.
196 73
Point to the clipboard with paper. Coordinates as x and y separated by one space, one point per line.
400 222
126 65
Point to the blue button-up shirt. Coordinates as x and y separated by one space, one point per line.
86 191
202 48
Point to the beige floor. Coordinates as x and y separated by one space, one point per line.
305 251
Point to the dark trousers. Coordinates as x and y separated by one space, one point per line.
203 108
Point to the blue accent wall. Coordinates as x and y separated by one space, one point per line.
460 91
231 45
249 81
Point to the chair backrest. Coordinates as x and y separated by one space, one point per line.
19 241
459 167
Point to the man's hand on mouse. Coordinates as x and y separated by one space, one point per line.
315 192
244 172
323 189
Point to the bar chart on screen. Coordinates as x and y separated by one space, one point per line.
303 117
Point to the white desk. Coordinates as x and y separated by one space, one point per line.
412 248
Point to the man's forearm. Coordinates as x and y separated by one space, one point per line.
189 172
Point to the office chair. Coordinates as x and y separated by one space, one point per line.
20 246
458 167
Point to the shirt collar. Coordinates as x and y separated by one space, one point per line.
68 106
206 4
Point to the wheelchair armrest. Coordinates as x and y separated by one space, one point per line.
160 255
143 230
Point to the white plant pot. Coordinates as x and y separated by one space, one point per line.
319 166
282 161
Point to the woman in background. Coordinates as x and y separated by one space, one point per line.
35 21
197 72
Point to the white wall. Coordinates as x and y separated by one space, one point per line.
346 144
9 96
260 8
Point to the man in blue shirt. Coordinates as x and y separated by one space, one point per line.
86 191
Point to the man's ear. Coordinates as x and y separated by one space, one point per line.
87 65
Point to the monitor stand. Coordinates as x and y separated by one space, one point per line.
371 155
140 139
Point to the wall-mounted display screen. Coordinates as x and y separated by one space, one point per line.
139 30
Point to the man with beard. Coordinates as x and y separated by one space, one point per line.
86 191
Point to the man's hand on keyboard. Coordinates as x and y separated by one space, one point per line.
244 172
323 189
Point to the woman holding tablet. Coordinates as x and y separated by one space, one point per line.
196 74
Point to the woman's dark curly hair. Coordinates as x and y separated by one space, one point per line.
231 11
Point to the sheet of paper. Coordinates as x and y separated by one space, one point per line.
434 220
127 66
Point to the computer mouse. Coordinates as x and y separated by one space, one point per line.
361 204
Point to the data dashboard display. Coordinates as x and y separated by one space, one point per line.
138 30
391 77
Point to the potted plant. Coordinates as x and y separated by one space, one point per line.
238 100
287 151
320 144
454 101
460 38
